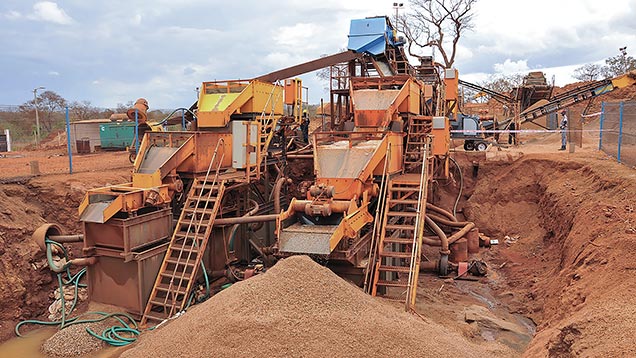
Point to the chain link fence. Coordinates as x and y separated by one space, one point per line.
618 131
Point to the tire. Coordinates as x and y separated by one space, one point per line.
132 156
469 145
481 146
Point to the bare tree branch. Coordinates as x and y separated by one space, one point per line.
432 20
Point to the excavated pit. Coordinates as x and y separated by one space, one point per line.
565 224
566 228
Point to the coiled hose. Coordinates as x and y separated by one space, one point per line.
112 335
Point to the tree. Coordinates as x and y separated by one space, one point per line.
619 64
83 110
49 104
431 21
123 107
503 83
588 72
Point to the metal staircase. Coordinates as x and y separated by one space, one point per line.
399 248
180 265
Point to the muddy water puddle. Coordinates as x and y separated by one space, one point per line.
29 345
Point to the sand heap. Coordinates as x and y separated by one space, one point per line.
301 309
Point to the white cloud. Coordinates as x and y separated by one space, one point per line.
510 66
50 12
13 15
54 73
300 35
136 20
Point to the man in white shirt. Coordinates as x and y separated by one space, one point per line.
563 127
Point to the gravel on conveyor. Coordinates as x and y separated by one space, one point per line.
301 309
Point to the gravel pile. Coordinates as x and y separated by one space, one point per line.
300 309
74 341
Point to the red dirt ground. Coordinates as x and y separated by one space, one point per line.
28 201
569 270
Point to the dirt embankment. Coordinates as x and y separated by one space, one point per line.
570 269
25 204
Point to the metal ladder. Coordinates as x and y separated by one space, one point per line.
400 246
377 225
268 125
180 265
415 142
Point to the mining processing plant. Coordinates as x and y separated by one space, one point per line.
213 205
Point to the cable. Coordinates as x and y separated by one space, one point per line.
461 185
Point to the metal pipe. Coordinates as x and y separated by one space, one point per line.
443 221
66 238
429 265
68 143
300 156
442 236
336 206
246 219
236 226
257 248
432 241
458 235
83 261
441 211
277 188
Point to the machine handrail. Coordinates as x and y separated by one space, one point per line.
377 223
198 225
419 226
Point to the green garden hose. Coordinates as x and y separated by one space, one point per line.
121 334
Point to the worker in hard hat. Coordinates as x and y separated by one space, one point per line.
563 127
304 126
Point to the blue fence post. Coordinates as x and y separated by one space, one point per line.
620 130
68 143
183 127
600 138
136 132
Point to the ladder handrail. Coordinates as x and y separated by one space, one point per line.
419 225
265 122
190 223
377 225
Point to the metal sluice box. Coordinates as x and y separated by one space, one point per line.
306 239
125 284
129 235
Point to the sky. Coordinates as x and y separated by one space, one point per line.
112 52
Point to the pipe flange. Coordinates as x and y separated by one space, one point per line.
443 265
44 231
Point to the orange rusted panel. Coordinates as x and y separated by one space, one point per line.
441 136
